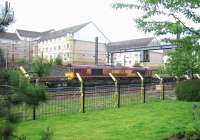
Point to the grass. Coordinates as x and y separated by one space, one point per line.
150 121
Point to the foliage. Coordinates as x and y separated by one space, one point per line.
186 58
137 65
6 16
58 61
47 134
15 89
2 59
188 90
34 95
41 66
172 13
168 18
196 112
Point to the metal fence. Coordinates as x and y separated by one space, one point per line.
68 99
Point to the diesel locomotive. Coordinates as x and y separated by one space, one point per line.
95 71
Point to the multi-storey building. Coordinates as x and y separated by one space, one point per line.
74 44
13 48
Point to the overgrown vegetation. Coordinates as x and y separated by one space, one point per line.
188 90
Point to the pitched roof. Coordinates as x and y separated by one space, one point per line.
8 36
26 33
63 32
127 44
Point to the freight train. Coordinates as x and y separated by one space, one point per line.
95 71
62 76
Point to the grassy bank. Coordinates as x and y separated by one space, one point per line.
151 121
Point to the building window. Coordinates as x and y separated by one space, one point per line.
46 49
59 47
67 46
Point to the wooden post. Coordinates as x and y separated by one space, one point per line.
82 91
116 94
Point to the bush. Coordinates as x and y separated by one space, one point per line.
188 90
58 61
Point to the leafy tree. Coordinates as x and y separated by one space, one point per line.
41 66
172 19
2 59
186 58
58 61
6 16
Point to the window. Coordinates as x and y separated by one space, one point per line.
67 46
46 49
54 47
68 55
59 47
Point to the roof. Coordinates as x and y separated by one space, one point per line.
63 32
135 43
30 34
8 36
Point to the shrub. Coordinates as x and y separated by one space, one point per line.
58 61
188 90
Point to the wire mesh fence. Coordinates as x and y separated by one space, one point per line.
68 99
130 94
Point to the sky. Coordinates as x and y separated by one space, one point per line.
41 15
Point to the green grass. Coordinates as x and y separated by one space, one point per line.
151 121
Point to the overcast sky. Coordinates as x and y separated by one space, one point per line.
40 15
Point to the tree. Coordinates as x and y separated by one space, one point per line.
58 60
41 66
16 89
186 58
12 87
178 16
6 16
2 59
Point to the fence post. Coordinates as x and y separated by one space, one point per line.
162 94
142 87
34 112
117 91
82 91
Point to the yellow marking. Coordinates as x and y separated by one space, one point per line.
112 76
69 75
24 72
140 76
